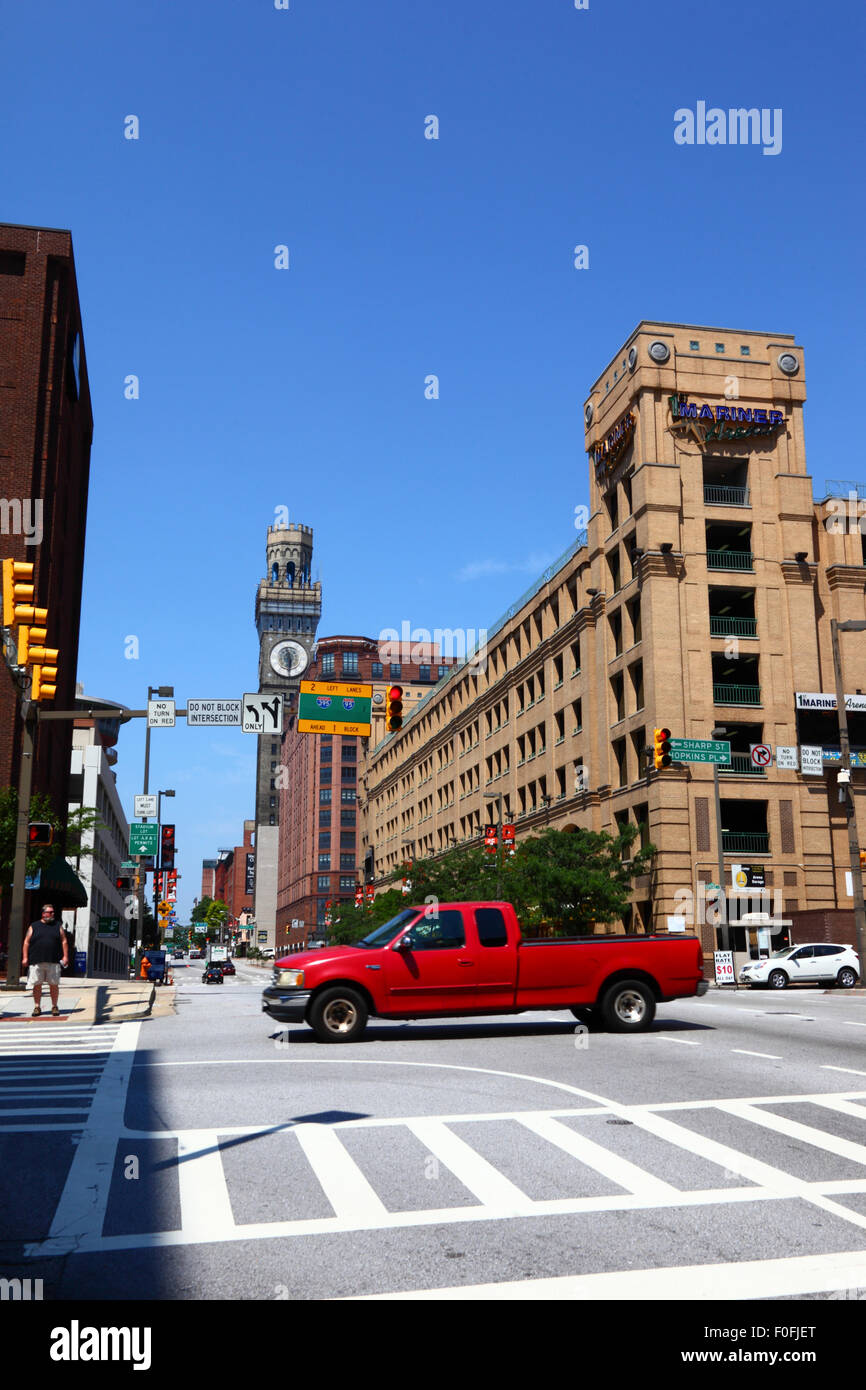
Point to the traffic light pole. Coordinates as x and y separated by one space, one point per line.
850 815
16 920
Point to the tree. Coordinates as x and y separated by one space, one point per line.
199 912
216 916
41 809
565 881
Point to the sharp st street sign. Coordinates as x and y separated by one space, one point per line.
700 750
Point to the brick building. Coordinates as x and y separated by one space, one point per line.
699 598
46 427
320 855
231 877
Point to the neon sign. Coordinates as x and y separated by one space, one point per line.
607 452
706 423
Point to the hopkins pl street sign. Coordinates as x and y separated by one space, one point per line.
700 750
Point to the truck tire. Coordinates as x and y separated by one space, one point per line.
338 1015
628 1006
583 1013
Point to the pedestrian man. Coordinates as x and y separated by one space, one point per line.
46 952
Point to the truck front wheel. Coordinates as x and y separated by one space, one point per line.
338 1015
628 1006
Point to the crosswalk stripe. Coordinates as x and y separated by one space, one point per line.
205 1205
793 1129
341 1179
845 1107
490 1186
610 1165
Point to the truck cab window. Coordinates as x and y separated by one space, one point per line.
442 932
491 926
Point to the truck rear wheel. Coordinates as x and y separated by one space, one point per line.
628 1006
338 1015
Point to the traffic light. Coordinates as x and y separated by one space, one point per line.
394 709
40 833
863 859
17 592
661 748
167 847
123 885
44 685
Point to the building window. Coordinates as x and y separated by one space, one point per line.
273 767
376 671
396 671
695 345
325 839
273 801
328 664
348 794
350 663
347 817
324 882
346 885
321 909
272 820
325 796
325 776
347 839
720 347
443 671
275 748
348 774
324 861
745 351
326 738
347 861
326 754
325 819
273 784
423 673
350 752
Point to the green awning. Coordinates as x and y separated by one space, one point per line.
61 886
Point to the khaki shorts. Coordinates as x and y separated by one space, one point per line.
46 974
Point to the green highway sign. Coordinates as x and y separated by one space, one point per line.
334 707
700 750
143 838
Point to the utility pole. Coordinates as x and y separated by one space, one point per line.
845 784
16 919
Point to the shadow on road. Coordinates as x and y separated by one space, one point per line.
410 1031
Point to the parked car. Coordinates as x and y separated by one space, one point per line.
818 962
267 952
470 958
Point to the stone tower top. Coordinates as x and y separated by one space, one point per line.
289 555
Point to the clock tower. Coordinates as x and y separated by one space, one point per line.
288 608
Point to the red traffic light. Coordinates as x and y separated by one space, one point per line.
394 709
40 833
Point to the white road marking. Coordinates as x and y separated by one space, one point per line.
780 1124
80 1212
742 1279
845 1107
205 1207
684 1042
610 1165
768 1056
340 1178
852 1024
485 1182
851 1071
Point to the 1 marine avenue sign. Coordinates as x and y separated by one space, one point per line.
816 699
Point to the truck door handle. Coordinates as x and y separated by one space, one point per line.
466 962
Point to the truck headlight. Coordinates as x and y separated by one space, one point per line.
294 979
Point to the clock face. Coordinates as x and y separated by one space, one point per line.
288 659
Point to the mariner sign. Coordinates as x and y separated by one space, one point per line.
707 422
607 452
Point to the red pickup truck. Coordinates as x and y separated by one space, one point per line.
470 958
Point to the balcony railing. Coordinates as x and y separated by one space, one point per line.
746 841
715 496
736 694
741 764
730 560
733 627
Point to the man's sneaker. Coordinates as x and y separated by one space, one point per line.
36 1012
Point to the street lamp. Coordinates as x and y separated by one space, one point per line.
845 749
724 938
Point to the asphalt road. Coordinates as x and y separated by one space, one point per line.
214 1154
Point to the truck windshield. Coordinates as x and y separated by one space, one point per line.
388 930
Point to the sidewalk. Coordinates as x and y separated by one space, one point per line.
89 1001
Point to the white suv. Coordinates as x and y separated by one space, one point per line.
818 963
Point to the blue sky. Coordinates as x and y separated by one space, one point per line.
304 388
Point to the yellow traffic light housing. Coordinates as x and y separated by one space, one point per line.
661 748
17 589
394 709
30 648
44 684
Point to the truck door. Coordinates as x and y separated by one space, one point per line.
435 969
497 960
